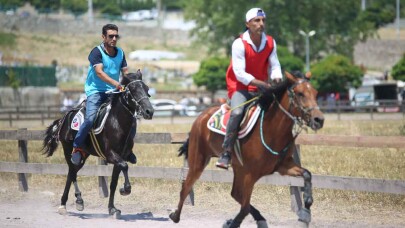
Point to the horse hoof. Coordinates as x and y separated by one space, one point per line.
62 210
227 223
304 215
79 205
125 191
174 217
262 224
114 213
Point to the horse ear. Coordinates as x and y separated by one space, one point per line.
289 76
138 74
308 75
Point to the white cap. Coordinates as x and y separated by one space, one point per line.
254 12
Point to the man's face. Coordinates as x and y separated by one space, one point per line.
256 25
111 38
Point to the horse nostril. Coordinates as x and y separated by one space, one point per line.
319 120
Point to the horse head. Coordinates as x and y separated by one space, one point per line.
136 94
302 100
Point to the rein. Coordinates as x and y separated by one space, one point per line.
297 121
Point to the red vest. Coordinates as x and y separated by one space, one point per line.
257 64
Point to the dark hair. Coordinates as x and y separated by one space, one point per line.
109 27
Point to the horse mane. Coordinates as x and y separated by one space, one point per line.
277 91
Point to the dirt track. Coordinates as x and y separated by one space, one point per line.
39 209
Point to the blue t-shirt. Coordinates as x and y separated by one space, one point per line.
112 66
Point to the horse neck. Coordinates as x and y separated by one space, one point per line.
279 124
121 111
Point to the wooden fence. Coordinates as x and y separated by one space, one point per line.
318 181
43 113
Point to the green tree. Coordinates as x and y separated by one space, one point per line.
77 7
46 6
10 4
339 25
335 73
398 70
212 74
288 61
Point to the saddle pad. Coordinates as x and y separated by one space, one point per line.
217 122
102 115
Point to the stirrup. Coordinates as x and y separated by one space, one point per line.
224 161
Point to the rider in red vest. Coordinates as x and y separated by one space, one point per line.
254 62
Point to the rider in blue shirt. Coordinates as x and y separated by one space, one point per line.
107 61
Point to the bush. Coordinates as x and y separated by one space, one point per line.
335 73
212 73
398 71
111 9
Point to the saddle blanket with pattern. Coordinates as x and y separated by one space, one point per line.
99 123
218 121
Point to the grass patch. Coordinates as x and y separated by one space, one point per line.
8 40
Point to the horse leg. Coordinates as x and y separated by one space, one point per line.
65 195
290 168
242 189
126 190
305 213
113 186
196 167
260 220
123 166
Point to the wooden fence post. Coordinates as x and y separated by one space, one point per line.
102 181
184 171
10 116
295 191
23 152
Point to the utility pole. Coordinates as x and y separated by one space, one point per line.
307 35
90 11
398 34
363 5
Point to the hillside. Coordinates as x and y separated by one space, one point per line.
383 53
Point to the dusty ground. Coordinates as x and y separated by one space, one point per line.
38 208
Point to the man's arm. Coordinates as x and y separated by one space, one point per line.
274 66
103 76
239 62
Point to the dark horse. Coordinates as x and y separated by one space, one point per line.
112 143
268 148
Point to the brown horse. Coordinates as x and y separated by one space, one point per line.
268 148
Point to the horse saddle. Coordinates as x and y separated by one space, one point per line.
218 121
99 122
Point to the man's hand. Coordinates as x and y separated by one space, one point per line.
261 85
120 87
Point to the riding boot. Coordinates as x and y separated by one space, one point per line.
225 157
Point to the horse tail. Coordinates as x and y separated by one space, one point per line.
184 149
50 143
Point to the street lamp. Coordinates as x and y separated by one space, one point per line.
307 35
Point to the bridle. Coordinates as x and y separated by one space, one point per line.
295 102
131 102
